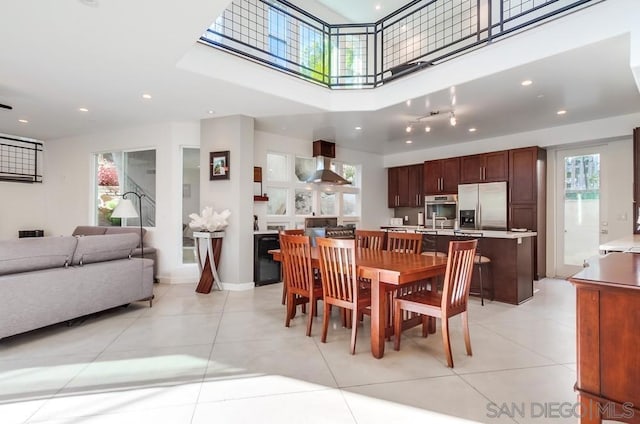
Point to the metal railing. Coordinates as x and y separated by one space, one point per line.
20 160
423 33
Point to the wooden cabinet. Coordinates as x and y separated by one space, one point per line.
607 319
636 180
484 168
405 186
527 198
441 176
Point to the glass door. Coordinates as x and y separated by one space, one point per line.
580 224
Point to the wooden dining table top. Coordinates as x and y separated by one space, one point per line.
395 268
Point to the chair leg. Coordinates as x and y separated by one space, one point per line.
446 341
425 325
397 324
284 292
291 304
313 305
354 329
481 286
325 321
465 330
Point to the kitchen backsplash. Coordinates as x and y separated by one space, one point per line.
411 213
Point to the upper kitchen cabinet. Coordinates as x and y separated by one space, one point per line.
526 174
405 186
485 168
441 176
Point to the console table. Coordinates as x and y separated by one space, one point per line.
208 271
608 338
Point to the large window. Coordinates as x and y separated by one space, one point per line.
278 36
292 199
120 172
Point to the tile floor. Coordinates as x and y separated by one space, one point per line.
226 357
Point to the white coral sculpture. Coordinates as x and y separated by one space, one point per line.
209 220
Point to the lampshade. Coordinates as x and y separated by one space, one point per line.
124 209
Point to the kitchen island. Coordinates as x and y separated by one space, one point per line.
511 253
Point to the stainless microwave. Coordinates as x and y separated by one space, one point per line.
443 207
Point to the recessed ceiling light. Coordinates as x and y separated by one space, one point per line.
24 121
408 129
404 27
561 112
146 96
409 102
378 7
83 109
427 129
526 83
472 130
408 141
540 96
358 128
211 112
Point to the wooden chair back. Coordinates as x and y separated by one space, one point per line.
457 277
338 270
370 239
296 258
404 242
296 232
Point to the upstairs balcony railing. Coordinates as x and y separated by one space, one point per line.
423 33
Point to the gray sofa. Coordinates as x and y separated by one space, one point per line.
95 230
47 280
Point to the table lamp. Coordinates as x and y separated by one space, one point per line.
125 209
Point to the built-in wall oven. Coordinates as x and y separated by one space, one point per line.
442 208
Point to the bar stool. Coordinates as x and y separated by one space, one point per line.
479 260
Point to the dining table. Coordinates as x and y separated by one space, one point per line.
388 271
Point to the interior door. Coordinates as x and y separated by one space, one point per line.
581 226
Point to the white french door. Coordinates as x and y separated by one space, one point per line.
578 213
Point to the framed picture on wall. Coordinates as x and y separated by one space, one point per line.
219 165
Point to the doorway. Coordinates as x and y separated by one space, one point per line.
579 214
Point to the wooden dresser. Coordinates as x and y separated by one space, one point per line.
608 338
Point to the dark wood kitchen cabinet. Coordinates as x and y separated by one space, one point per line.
527 198
405 186
484 168
441 176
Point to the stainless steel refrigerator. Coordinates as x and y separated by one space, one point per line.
483 206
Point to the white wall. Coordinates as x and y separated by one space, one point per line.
25 206
236 135
69 191
374 178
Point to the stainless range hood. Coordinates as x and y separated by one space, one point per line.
324 151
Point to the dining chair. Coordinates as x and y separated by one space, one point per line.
298 276
451 301
340 283
430 243
370 239
481 261
292 232
404 242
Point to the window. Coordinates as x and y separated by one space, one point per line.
278 36
292 199
120 172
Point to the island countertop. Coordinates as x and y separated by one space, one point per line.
450 231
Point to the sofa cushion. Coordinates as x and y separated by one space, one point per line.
104 248
88 230
126 230
30 254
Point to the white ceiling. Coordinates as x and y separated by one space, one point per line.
104 54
